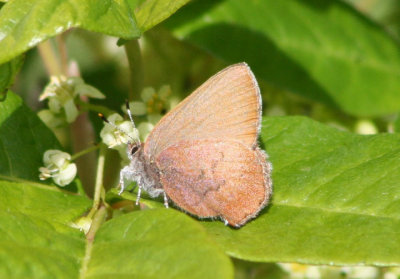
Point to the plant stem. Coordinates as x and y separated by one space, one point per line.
96 108
83 152
96 223
50 59
134 56
63 53
98 219
99 181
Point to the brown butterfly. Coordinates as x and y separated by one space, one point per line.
204 156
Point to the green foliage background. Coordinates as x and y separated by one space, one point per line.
323 68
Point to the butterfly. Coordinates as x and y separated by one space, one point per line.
204 156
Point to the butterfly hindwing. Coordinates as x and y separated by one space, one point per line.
216 178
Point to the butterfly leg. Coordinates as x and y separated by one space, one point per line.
125 174
139 192
122 176
165 200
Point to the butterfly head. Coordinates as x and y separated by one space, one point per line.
133 149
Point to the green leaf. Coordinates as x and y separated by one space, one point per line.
152 12
26 23
396 124
8 71
23 140
156 243
36 241
323 50
42 201
336 198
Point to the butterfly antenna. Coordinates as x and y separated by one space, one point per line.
118 128
128 110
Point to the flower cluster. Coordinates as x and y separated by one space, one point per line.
153 105
58 166
61 93
118 134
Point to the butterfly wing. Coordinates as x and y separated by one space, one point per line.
214 178
227 106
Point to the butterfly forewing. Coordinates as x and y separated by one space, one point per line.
227 106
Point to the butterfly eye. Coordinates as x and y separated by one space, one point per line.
134 149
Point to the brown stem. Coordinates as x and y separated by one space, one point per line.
50 59
62 48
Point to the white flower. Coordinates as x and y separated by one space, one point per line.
144 129
57 165
138 108
62 91
152 105
366 127
51 119
83 224
116 137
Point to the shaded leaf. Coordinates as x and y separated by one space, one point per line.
8 71
26 23
336 198
254 270
323 50
23 140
